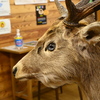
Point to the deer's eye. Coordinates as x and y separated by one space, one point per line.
51 47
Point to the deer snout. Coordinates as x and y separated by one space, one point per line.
18 71
14 71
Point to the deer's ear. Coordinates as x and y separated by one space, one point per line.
91 33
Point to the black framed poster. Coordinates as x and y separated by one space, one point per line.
41 18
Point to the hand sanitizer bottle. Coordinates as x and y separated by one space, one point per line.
18 40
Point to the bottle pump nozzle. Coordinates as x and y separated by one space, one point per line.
18 32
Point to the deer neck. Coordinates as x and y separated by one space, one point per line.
89 75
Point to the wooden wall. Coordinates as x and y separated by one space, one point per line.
22 17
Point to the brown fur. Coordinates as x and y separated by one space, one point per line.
75 59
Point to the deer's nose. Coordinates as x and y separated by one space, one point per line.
14 71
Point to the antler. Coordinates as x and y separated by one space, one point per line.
80 11
63 11
82 3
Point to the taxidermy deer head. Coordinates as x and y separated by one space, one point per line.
68 52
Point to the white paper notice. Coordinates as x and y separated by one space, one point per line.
4 7
5 26
21 2
39 1
58 0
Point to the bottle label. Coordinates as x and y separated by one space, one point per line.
19 42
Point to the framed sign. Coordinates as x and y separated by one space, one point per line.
40 15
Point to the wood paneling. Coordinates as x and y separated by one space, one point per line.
5 85
5 94
5 77
23 17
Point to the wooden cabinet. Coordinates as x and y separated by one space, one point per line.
8 89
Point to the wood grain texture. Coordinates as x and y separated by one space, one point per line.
98 15
23 17
7 98
5 77
5 93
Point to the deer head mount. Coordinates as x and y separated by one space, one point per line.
68 52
